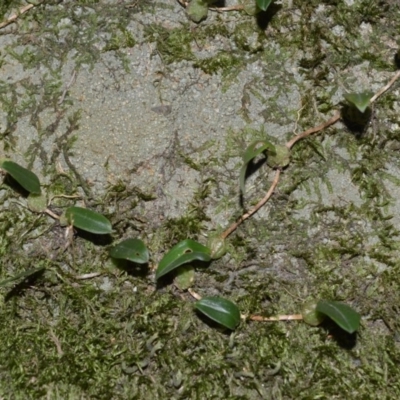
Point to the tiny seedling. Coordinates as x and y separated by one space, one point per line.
263 4
361 101
357 112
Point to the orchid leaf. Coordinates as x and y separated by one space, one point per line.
88 220
184 252
220 310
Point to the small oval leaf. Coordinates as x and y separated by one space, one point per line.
252 151
184 252
88 220
220 310
27 179
341 314
132 250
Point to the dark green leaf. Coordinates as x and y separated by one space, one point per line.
131 249
21 276
359 100
263 4
220 310
88 220
252 151
341 314
184 252
27 179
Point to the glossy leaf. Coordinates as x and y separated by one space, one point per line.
220 310
27 179
359 100
342 314
252 151
263 4
88 220
132 250
184 252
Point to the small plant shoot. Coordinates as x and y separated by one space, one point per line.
217 245
184 252
37 202
88 220
280 158
359 100
184 277
197 10
263 4
220 310
27 179
310 314
132 250
342 314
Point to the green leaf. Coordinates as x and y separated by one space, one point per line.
220 310
359 100
252 151
131 249
341 314
21 276
263 4
27 179
184 252
88 220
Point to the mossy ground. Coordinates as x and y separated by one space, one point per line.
118 335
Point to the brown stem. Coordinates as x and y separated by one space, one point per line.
15 16
52 215
228 231
292 317
310 131
238 7
386 87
